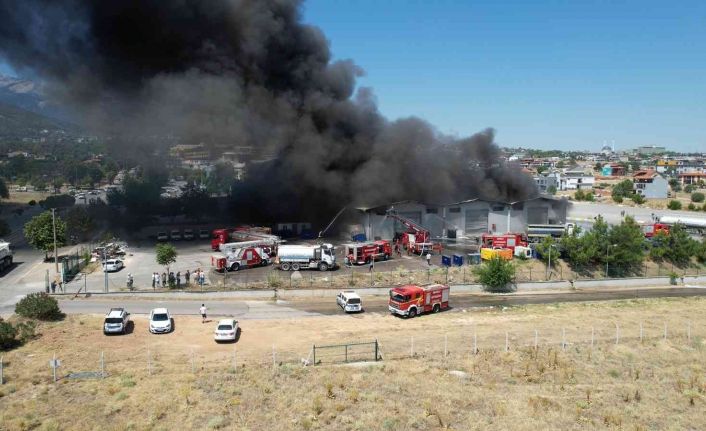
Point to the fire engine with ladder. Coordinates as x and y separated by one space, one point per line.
364 252
417 239
245 254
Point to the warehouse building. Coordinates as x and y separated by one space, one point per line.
466 219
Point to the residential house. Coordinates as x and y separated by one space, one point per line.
577 178
650 184
546 180
692 177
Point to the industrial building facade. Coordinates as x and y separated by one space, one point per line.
465 220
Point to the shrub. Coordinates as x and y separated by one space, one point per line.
8 336
618 199
697 197
689 188
637 198
496 275
674 205
39 306
32 203
691 207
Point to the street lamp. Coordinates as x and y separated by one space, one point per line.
549 262
607 250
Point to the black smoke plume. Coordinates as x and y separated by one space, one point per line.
246 73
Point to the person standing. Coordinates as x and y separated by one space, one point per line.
164 279
202 310
178 279
370 265
187 277
428 259
53 287
153 281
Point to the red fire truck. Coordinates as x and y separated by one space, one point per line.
239 258
650 230
417 239
411 300
506 240
240 233
363 252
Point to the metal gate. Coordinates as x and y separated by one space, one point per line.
537 215
352 352
476 222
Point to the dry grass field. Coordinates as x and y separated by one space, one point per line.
429 377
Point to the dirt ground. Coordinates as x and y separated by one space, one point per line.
429 377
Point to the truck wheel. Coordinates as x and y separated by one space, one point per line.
295 267
285 266
323 266
235 266
412 313
263 262
436 308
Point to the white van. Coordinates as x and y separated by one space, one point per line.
349 301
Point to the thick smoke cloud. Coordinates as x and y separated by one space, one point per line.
246 73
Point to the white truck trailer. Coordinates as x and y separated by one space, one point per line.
296 257
5 255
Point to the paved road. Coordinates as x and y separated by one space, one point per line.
327 306
579 211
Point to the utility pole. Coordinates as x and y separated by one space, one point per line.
56 258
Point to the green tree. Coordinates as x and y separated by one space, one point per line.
551 190
697 197
681 246
674 205
579 195
166 255
637 198
58 201
543 249
496 275
40 234
692 207
4 192
57 183
541 169
689 188
577 249
589 197
79 222
624 251
660 246
39 306
622 190
675 185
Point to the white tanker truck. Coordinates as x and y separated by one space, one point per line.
296 257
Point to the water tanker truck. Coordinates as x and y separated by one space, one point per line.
296 257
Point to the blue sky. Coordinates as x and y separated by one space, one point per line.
545 74
566 74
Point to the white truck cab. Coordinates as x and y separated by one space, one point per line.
349 301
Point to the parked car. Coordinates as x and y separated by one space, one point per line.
113 265
175 235
349 301
160 321
204 234
226 330
116 321
188 234
162 236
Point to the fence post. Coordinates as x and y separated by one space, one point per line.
536 336
506 341
193 365
411 346
688 332
274 357
235 358
314 352
102 365
53 368
665 332
376 350
617 334
346 347
1 376
563 338
475 342
446 344
641 332
149 362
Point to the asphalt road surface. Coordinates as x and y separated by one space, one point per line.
327 306
585 211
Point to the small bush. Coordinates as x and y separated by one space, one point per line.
32 203
617 199
8 336
39 306
697 197
638 199
689 188
674 205
691 207
496 275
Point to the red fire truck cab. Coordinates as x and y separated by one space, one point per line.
361 253
236 259
650 230
412 300
507 240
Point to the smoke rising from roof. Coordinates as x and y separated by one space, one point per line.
247 73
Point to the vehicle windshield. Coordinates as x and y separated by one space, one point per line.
399 297
354 301
113 320
225 327
327 251
161 317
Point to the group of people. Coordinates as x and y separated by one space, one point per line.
175 279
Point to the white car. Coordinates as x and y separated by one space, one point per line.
113 265
188 234
162 236
349 301
160 321
176 235
226 330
